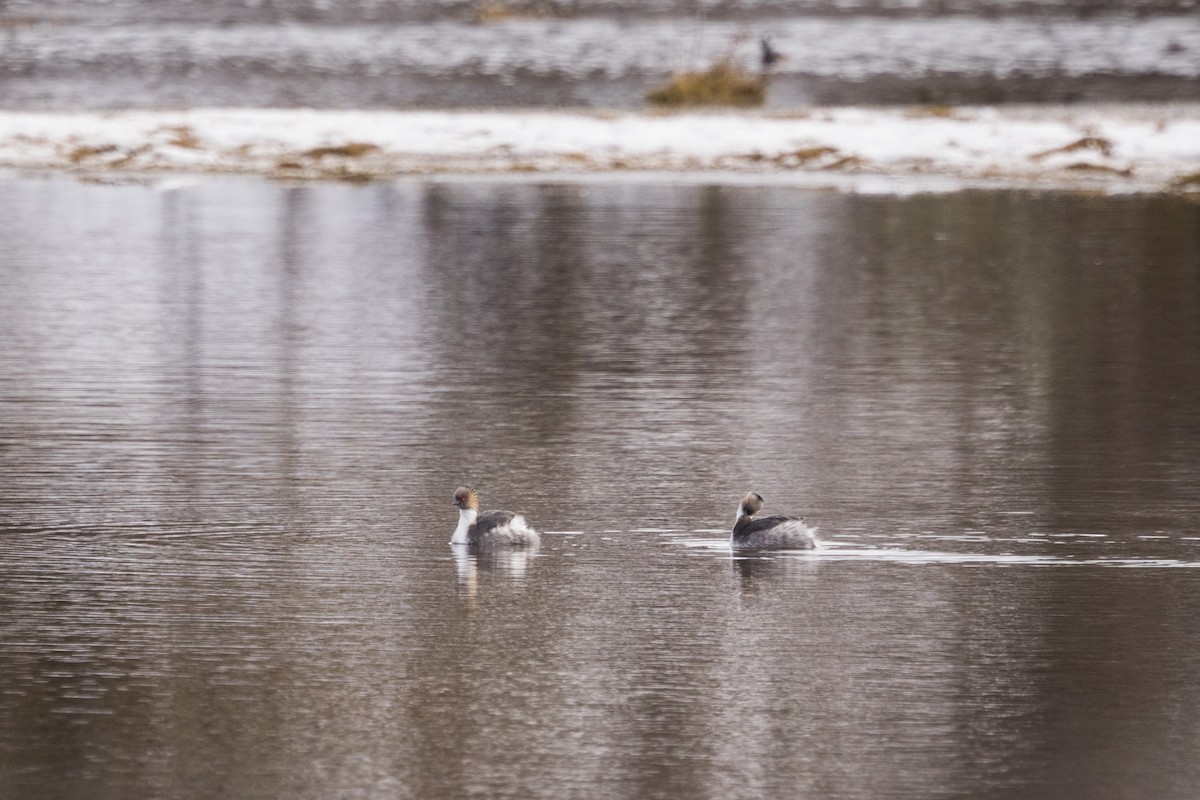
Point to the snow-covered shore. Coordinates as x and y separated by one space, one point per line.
1107 148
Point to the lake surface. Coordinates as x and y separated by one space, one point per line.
71 54
233 414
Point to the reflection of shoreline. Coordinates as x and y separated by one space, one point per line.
1144 147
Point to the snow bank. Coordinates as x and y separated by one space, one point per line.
1112 148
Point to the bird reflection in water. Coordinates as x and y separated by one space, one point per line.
471 563
755 571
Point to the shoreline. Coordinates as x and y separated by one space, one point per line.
1112 148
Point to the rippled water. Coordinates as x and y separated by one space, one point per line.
233 413
75 54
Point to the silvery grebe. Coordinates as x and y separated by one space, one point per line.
769 533
491 528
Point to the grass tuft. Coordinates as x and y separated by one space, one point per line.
812 153
499 11
938 111
1097 143
84 152
846 164
1083 166
722 84
1187 181
184 137
350 150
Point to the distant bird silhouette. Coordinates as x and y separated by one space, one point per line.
769 56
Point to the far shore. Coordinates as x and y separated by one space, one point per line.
1107 148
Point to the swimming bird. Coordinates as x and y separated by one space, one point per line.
769 533
494 528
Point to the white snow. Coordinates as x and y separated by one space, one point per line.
1110 147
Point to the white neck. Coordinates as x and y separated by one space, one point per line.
466 518
741 513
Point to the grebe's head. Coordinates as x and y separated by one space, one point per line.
751 505
465 497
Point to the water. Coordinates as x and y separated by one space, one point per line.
233 413
68 54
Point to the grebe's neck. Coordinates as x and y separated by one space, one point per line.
742 519
466 518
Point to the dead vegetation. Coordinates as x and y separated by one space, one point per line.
86 152
114 157
936 111
128 157
794 158
845 164
184 137
499 11
1189 182
1097 143
1083 166
806 154
311 166
722 84
349 150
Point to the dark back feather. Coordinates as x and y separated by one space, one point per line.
748 526
492 520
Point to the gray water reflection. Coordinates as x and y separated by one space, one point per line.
232 414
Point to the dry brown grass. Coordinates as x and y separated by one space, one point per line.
349 150
811 153
937 111
1188 181
499 11
722 84
183 136
1083 166
846 163
1097 143
84 152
